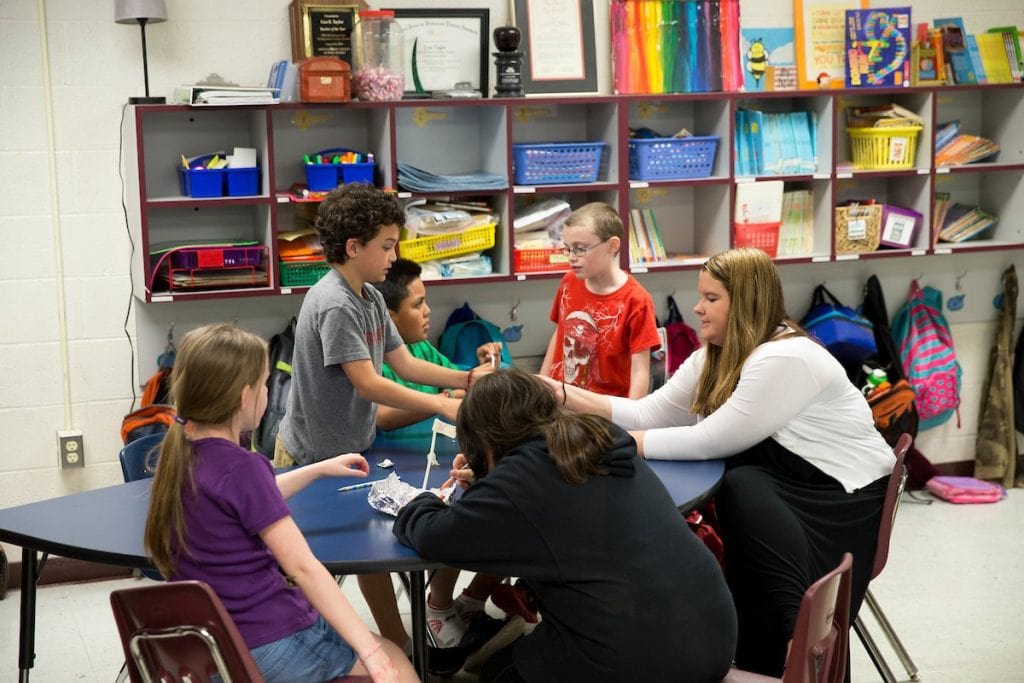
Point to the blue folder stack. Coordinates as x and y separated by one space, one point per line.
417 180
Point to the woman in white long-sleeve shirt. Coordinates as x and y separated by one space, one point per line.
806 469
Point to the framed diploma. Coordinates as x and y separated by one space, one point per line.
558 46
444 47
323 29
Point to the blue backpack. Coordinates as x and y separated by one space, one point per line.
464 332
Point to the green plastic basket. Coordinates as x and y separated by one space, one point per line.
303 274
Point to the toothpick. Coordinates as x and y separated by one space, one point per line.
431 458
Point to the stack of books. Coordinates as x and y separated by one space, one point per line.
796 234
960 222
776 143
953 148
645 245
882 116
1000 54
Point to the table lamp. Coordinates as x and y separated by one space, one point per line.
141 12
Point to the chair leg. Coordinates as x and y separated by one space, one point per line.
873 652
890 634
122 675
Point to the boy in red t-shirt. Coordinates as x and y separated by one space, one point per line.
605 318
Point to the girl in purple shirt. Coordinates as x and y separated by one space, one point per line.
217 514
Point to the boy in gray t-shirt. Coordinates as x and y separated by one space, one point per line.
342 337
344 334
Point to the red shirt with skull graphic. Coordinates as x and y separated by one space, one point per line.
600 333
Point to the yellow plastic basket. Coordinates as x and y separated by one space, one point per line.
448 245
884 147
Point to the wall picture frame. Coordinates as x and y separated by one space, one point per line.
557 45
444 47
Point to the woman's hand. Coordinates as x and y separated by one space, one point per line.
461 472
345 465
380 666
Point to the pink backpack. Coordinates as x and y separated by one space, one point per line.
965 490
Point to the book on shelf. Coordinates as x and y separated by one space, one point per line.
965 149
1011 44
224 94
645 235
759 202
882 115
964 222
994 59
776 143
942 204
946 133
877 43
796 234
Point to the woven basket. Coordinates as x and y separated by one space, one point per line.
858 228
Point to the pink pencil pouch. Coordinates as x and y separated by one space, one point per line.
965 490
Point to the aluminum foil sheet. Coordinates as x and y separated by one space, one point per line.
392 494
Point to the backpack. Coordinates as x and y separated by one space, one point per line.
279 384
965 490
464 332
892 407
155 418
680 339
846 334
926 352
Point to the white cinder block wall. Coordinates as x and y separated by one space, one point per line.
65 353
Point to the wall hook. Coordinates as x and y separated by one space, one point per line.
958 279
512 311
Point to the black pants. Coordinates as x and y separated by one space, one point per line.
785 524
500 668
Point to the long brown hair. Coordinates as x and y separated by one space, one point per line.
212 365
756 310
507 407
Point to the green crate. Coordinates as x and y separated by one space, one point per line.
303 274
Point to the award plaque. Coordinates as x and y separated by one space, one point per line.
323 29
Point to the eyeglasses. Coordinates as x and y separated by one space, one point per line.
579 252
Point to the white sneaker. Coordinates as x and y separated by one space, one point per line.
446 626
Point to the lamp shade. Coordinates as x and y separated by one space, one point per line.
130 11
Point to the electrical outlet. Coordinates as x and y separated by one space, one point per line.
72 448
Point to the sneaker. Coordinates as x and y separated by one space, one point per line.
516 599
447 626
486 636
469 608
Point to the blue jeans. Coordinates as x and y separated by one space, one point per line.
313 654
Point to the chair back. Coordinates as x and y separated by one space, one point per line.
897 482
820 640
180 631
138 458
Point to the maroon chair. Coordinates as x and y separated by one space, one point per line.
821 637
180 631
897 482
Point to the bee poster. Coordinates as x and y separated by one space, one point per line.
768 59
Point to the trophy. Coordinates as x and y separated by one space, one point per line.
508 62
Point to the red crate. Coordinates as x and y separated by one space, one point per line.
540 260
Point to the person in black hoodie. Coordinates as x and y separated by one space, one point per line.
625 590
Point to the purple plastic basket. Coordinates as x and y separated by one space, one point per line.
672 158
556 162
217 257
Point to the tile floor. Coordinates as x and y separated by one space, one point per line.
952 590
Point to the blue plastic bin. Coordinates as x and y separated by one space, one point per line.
201 182
556 162
242 182
326 177
357 173
672 158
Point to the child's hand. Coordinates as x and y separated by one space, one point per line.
449 408
461 472
346 465
489 354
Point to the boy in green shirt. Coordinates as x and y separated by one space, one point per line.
448 618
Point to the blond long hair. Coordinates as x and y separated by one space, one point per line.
756 311
212 365
505 408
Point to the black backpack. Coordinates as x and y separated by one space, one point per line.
282 349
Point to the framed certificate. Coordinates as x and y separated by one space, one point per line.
558 46
444 47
